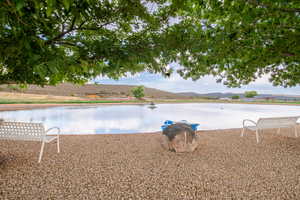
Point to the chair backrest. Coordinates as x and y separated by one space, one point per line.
22 131
277 122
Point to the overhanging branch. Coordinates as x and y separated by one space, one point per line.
63 33
265 5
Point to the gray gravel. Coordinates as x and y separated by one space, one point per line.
225 166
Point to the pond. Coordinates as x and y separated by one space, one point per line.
110 119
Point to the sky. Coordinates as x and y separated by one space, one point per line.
206 84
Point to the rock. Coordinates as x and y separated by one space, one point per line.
180 137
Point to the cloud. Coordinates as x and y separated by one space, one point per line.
207 84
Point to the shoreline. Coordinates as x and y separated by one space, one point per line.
14 107
25 106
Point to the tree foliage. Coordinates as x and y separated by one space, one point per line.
47 42
138 92
235 97
52 41
241 40
250 94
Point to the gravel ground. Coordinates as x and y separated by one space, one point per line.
225 166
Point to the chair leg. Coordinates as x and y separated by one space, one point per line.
58 149
257 136
243 131
296 133
41 152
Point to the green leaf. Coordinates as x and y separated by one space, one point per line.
19 4
67 4
50 7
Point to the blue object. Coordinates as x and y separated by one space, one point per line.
169 122
194 126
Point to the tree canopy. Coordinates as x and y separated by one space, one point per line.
47 42
235 97
239 41
250 94
52 41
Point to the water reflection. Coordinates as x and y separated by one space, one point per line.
139 118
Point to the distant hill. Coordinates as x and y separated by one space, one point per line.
211 95
120 91
90 90
228 95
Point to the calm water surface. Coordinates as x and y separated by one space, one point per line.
140 118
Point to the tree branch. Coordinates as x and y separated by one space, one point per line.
289 9
63 33
257 3
92 28
72 28
65 43
82 23
288 54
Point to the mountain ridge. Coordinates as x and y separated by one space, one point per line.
230 94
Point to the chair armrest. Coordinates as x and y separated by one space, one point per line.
58 130
248 120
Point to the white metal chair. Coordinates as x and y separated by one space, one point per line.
269 123
28 132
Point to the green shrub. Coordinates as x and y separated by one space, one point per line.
13 87
235 97
250 94
19 88
138 92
